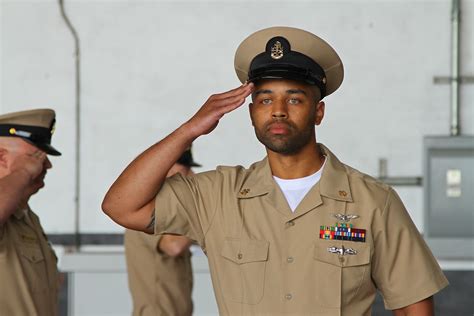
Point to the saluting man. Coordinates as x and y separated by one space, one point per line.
300 232
160 275
28 266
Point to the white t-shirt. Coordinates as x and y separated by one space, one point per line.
295 190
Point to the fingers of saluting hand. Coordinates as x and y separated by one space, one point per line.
208 116
243 90
232 99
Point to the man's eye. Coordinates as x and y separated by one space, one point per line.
293 101
266 101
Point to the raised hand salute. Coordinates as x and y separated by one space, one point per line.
144 176
206 119
25 177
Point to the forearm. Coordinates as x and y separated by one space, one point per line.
173 245
13 193
129 201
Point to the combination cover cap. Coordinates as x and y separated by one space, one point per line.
187 160
34 126
289 53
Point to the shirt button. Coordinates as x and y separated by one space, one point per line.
240 256
288 296
290 259
290 223
341 259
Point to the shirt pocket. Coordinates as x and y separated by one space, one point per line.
339 277
243 269
34 267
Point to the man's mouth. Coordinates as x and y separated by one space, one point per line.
279 128
41 176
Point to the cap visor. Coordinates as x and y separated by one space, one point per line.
47 148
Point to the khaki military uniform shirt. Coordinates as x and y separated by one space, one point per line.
160 285
266 260
28 268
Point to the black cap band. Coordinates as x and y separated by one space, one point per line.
38 136
280 62
32 133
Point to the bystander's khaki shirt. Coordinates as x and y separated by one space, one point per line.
160 285
28 268
266 260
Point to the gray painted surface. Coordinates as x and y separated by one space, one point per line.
448 187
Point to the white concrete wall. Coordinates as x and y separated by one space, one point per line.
147 66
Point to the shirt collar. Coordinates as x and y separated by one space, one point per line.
258 181
20 213
334 182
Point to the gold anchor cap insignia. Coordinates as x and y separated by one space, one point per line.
53 126
277 50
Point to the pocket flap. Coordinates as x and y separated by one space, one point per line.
322 254
245 251
33 255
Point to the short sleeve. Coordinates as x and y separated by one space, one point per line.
185 205
403 267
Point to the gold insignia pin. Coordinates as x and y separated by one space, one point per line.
28 238
277 50
12 131
245 191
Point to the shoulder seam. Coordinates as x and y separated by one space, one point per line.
367 178
389 194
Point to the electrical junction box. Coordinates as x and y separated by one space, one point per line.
448 184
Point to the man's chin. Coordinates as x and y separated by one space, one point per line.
280 145
38 186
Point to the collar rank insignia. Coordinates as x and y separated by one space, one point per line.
342 251
342 232
345 218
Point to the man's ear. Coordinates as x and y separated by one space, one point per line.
319 115
250 112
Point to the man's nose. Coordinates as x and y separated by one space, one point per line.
47 163
279 109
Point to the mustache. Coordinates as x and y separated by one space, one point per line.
42 175
269 124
